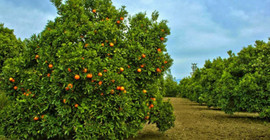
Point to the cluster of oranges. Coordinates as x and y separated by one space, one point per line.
28 93
36 118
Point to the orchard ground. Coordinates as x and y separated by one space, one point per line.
194 121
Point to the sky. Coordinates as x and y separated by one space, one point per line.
200 29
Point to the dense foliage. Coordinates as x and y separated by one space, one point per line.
170 85
10 46
92 73
237 83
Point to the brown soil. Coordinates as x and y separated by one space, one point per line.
199 122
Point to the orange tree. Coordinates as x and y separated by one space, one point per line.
92 73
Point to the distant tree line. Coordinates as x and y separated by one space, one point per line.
170 85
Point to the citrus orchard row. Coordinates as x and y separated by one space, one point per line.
234 84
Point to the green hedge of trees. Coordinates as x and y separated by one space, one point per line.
171 88
238 83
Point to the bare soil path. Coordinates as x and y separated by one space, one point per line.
195 122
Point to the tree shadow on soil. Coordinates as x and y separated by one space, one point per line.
236 116
243 117
149 135
204 107
253 118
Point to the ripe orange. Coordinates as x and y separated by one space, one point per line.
154 99
100 83
159 50
24 93
162 38
67 88
102 44
151 105
85 70
165 62
101 94
15 87
82 58
118 88
122 88
48 75
94 10
86 45
121 69
89 76
144 91
121 18
50 66
11 80
37 56
125 91
77 77
69 69
147 117
27 94
112 91
118 21
70 85
76 105
139 70
105 70
158 70
111 44
35 118
113 81
128 66
162 30
64 101
107 18
142 66
42 116
143 55
100 74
